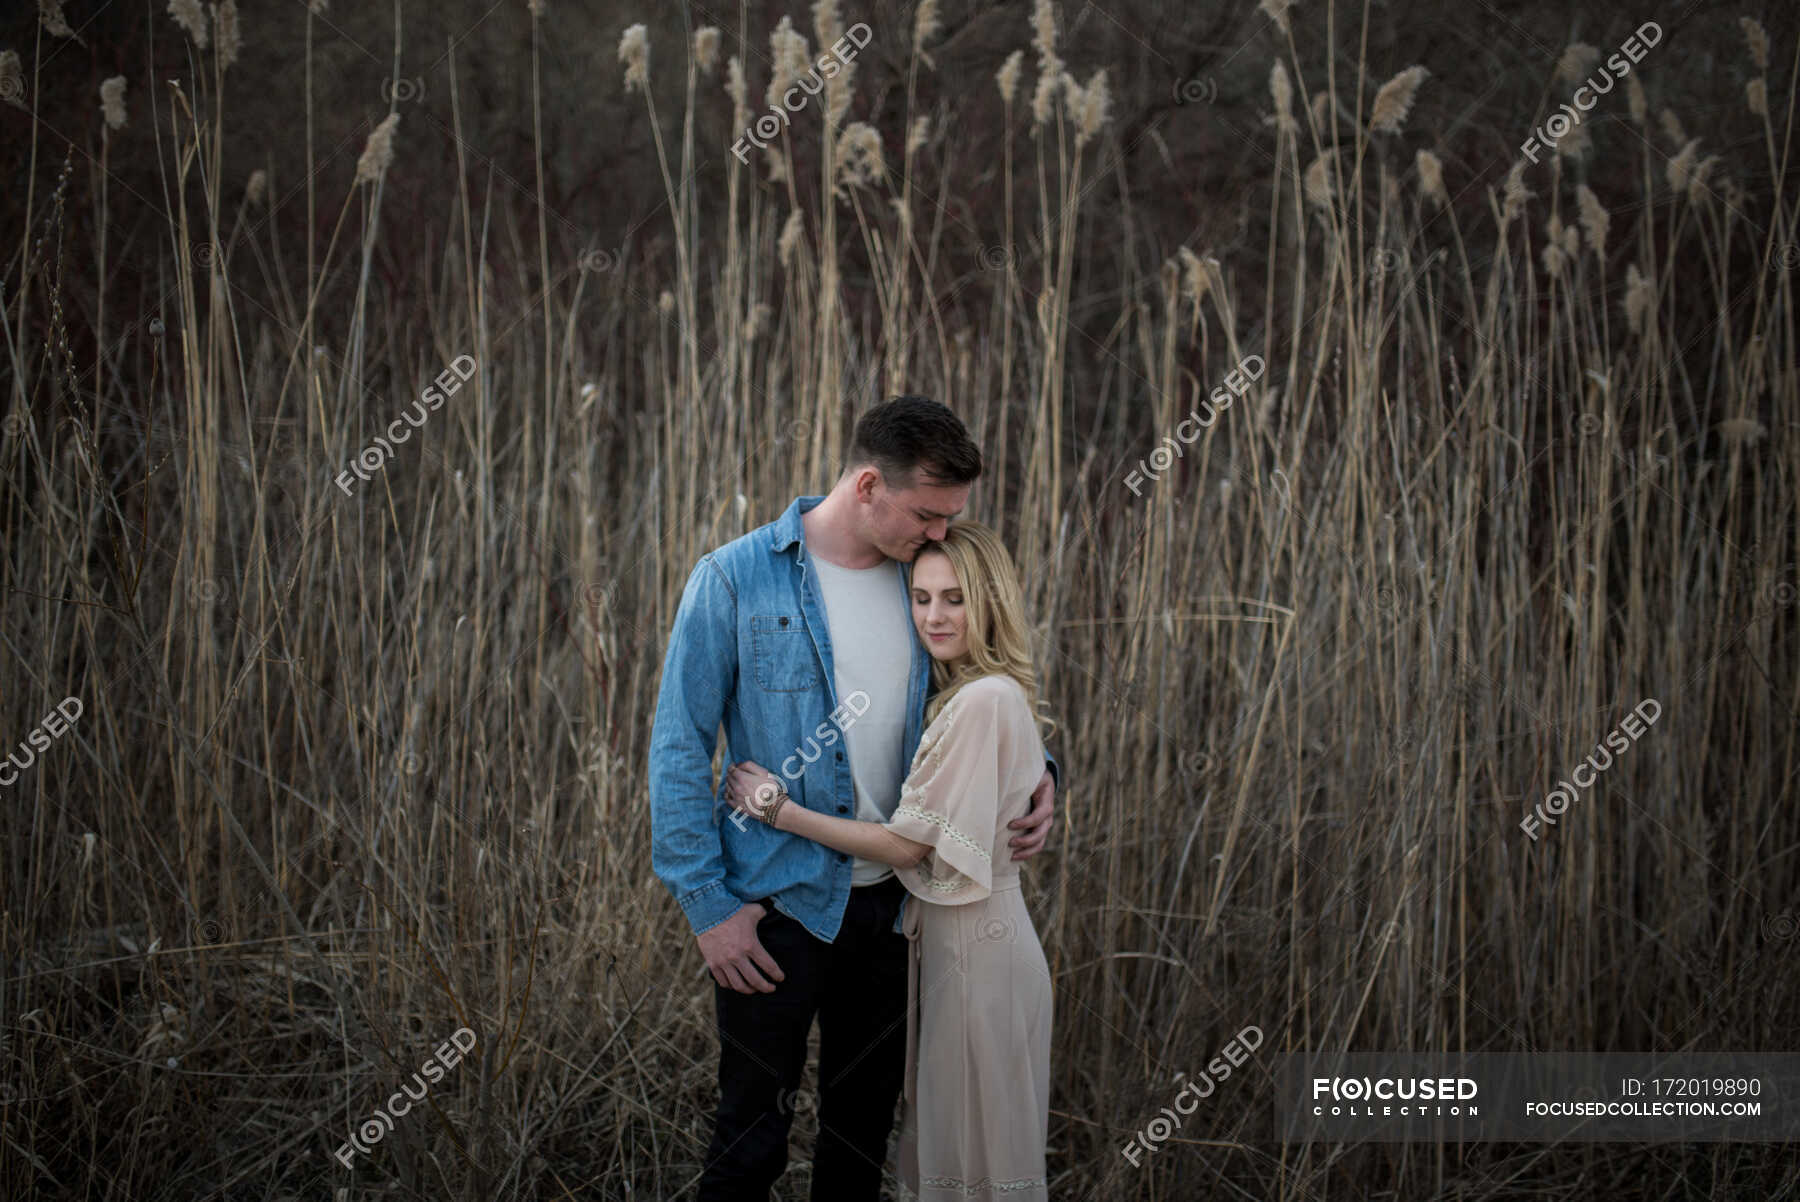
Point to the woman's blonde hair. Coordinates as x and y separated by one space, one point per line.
998 638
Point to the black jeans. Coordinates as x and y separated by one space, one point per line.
857 987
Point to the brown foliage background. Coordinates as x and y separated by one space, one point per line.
356 768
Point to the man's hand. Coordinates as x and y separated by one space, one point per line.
733 952
1035 823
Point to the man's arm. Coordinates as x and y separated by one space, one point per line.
1034 825
699 674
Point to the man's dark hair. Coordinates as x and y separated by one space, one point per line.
915 440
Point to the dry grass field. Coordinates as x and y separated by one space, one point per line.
352 753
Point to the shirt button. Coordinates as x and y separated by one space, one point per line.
843 809
840 756
842 856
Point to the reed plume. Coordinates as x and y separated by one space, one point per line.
1431 178
634 52
112 102
378 152
1395 100
189 15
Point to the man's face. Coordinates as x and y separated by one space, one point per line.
901 521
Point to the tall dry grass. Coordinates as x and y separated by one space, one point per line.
354 771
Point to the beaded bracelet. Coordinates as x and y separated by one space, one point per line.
768 810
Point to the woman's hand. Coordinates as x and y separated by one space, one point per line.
749 782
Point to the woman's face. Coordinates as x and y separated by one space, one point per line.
937 607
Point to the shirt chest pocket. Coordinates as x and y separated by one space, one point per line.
782 654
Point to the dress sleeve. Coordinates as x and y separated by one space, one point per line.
951 798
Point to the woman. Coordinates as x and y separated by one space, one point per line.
978 991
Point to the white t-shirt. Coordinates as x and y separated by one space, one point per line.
871 650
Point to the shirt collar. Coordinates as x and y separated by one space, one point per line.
788 529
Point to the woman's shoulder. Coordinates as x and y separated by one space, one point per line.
989 707
985 694
997 694
995 687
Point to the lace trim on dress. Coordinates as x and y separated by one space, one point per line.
986 1184
956 882
940 821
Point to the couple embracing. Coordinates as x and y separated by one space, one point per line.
872 881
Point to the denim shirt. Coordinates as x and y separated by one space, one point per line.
751 650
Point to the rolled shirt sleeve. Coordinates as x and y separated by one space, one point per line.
951 799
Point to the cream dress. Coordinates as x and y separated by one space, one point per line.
978 989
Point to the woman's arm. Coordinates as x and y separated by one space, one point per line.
866 840
869 840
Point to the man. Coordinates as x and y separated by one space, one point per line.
774 628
